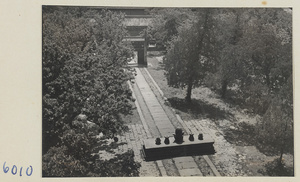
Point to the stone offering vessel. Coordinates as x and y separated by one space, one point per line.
167 140
157 141
200 136
178 135
191 137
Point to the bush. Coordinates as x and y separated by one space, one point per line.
123 165
276 168
57 163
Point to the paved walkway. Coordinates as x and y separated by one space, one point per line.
156 123
186 166
158 114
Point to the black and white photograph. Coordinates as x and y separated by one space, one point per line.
167 91
161 91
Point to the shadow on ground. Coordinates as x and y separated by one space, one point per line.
160 66
275 168
198 109
245 134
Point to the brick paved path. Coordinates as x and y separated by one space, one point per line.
156 123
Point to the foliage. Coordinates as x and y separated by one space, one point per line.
269 56
165 24
76 156
254 52
120 166
57 163
248 51
188 60
264 76
274 134
84 72
267 86
277 125
230 54
276 168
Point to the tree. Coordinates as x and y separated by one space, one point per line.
276 128
188 56
56 163
255 50
84 72
229 53
120 166
231 67
77 157
260 60
165 24
268 40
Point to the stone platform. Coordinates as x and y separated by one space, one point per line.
152 151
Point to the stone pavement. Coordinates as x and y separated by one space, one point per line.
156 123
158 114
160 125
133 140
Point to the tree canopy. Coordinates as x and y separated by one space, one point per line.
84 72
249 49
165 24
188 58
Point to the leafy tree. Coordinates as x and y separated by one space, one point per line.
56 163
268 58
231 67
188 57
83 69
165 24
73 155
120 166
262 58
254 53
76 157
229 52
84 72
268 40
276 129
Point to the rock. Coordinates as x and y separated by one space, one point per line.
100 135
116 139
232 127
81 117
92 126
165 99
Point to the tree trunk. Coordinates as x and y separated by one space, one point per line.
237 29
281 154
224 89
188 98
268 80
283 143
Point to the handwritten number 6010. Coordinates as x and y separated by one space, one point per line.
14 170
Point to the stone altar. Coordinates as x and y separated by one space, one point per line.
152 151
